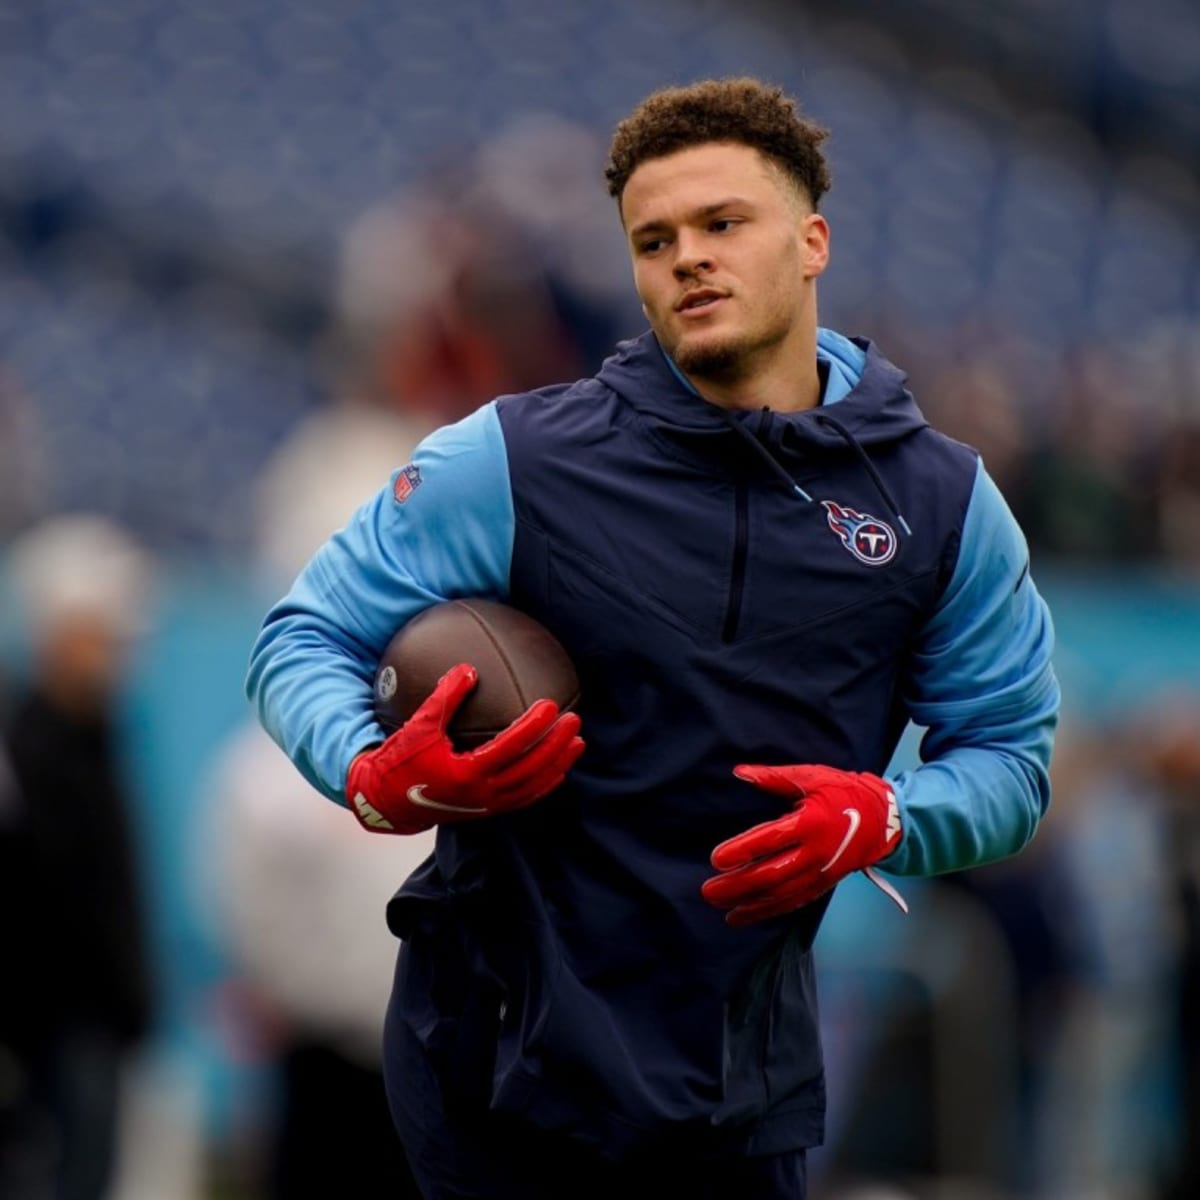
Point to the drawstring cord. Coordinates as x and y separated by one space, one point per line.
764 454
825 419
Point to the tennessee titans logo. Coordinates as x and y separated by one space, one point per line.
406 483
869 539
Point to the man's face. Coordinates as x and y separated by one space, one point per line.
725 254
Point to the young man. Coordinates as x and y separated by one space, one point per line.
764 563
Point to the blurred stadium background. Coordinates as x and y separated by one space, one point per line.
238 239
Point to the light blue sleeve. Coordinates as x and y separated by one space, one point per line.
983 687
313 664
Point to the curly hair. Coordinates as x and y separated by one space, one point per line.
721 110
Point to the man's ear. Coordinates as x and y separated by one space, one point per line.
814 244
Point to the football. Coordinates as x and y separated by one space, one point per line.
518 660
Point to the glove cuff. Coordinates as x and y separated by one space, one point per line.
362 789
892 831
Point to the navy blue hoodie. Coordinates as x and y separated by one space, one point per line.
733 587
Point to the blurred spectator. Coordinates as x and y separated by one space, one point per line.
540 172
78 993
443 301
446 296
443 305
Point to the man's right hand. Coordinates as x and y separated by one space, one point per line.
417 779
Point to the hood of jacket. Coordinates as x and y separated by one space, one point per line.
864 394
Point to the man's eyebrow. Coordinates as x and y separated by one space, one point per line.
708 210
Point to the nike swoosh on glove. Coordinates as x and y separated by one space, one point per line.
843 821
416 779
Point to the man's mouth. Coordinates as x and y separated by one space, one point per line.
699 301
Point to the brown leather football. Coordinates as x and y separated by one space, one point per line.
518 660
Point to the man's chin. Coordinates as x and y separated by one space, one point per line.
709 358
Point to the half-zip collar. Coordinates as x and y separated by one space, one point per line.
868 392
865 403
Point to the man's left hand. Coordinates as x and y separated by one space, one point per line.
843 821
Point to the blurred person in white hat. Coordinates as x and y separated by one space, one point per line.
79 994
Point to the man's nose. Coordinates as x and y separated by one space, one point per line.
691 257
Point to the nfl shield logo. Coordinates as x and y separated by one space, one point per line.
407 482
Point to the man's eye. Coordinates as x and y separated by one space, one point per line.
651 246
722 224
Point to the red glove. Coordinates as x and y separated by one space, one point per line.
417 779
843 821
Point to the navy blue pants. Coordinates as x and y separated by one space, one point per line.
477 1155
